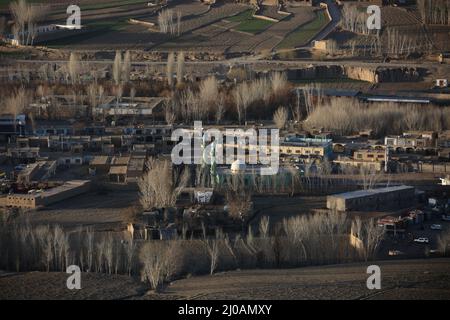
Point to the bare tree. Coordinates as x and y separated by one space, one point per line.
74 67
117 68
160 186
280 117
155 258
434 11
126 67
370 236
166 22
213 250
2 25
26 16
209 91
180 67
170 68
370 177
170 115
132 94
179 17
237 93
264 225
279 83
444 243
239 203
17 103
220 111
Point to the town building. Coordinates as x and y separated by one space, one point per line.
45 198
373 200
412 141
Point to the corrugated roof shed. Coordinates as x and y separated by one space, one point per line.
365 193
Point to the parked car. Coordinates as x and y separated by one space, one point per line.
436 227
422 240
394 253
445 218
19 168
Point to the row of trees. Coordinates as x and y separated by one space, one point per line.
346 116
170 22
434 11
299 241
392 41
208 101
26 18
354 20
25 248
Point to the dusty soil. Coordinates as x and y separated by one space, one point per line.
43 286
413 279
420 279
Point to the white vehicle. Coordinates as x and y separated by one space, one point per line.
445 218
445 181
422 240
394 253
436 227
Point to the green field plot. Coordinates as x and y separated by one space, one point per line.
248 23
305 33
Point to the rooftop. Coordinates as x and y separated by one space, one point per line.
365 193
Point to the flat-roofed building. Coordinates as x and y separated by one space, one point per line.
307 147
372 200
120 161
100 164
135 168
118 174
412 141
47 197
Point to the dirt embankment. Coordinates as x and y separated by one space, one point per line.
367 74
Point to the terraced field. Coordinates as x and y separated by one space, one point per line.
231 35
305 33
249 24
225 27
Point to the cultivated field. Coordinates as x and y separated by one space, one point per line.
225 27
400 280
413 279
306 32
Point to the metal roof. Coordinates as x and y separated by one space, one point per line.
366 193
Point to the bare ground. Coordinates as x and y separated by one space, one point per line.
418 279
408 279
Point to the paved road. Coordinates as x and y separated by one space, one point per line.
336 16
268 63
